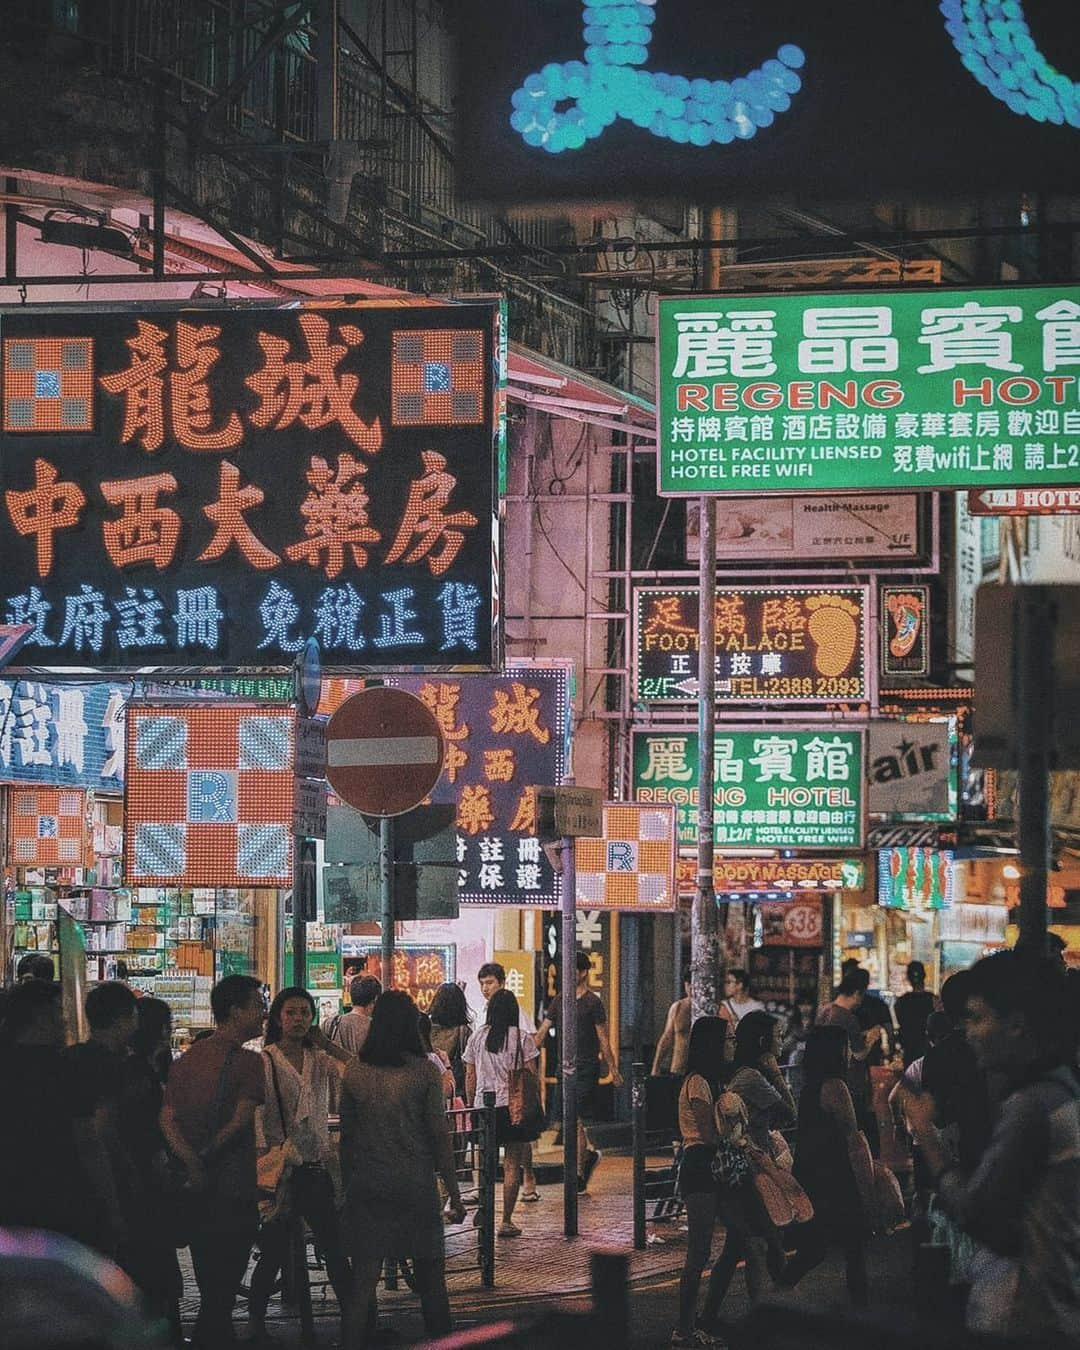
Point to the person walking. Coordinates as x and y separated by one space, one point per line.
42 1184
350 1029
300 1063
153 1264
492 977
1021 1203
208 1120
712 1182
757 1079
99 1067
493 1052
593 1043
738 999
913 1011
843 1012
674 1041
832 1160
394 1138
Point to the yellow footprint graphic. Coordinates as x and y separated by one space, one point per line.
834 627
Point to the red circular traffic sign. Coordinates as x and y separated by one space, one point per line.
384 751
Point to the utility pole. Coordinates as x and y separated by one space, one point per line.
386 895
1036 621
704 920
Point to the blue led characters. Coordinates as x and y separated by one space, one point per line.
568 103
996 46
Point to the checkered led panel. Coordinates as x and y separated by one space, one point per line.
632 865
208 796
47 827
48 384
437 377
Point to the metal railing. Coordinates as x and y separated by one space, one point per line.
655 1192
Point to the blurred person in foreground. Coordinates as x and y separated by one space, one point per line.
1021 1204
394 1138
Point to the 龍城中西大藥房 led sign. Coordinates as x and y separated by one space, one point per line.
901 390
186 488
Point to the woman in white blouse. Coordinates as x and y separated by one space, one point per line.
300 1065
494 1050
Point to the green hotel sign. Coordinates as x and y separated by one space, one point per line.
901 389
775 787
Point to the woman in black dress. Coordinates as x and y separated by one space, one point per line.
832 1159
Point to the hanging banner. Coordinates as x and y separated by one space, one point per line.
752 877
63 735
631 865
775 788
503 734
911 768
901 390
774 644
208 799
185 487
905 630
811 529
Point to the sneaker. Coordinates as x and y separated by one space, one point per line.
530 1197
509 1230
588 1166
697 1337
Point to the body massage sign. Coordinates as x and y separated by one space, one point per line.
898 390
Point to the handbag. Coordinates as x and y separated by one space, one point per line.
784 1199
523 1093
272 1168
890 1200
780 1151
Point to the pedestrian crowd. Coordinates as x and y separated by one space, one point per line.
136 1154
989 1101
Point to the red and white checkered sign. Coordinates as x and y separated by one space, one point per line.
208 796
47 827
632 865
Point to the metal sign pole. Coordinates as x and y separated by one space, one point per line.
1035 624
386 891
299 919
568 1038
704 920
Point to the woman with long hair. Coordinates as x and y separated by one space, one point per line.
494 1050
756 1077
832 1158
394 1138
300 1065
451 1027
712 1182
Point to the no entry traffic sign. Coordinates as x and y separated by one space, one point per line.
384 751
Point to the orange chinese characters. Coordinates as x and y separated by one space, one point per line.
499 765
145 532
525 815
143 387
442 699
665 616
518 714
475 813
312 390
45 508
336 516
730 616
785 615
426 521
230 526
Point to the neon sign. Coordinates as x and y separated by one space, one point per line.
606 86
996 46
177 492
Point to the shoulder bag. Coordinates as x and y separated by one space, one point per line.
523 1095
272 1167
784 1200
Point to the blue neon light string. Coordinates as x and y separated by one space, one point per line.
567 103
996 46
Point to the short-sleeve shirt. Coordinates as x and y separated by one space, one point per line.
695 1089
206 1085
349 1030
590 1015
493 1068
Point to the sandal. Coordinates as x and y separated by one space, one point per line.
509 1230
530 1197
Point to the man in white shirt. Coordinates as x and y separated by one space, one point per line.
492 977
738 1000
349 1030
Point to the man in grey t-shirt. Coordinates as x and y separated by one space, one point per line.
349 1030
